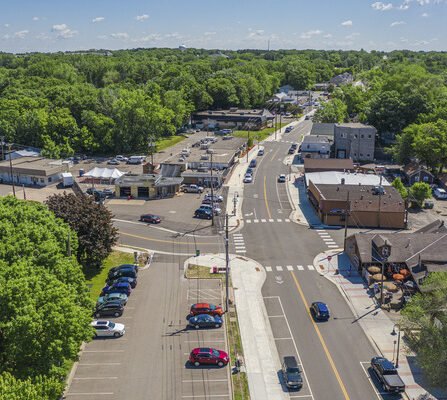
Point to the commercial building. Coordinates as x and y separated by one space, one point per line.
32 171
233 118
323 129
347 178
329 164
355 141
364 206
420 252
315 147
147 186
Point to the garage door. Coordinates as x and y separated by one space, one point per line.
124 191
143 192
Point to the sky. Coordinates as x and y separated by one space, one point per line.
63 25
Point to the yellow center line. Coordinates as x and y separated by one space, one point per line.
323 343
265 199
162 241
274 154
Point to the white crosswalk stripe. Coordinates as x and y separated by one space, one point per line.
271 220
329 239
324 234
320 230
333 246
278 268
268 269
300 267
310 267
287 220
248 221
290 268
279 220
241 251
263 220
256 221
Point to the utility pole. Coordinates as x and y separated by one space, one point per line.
276 122
212 192
248 138
10 171
280 116
347 212
227 266
2 138
151 150
380 199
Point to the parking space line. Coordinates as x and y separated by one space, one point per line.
378 394
205 380
96 364
94 378
294 345
104 351
194 396
90 394
282 338
205 341
276 316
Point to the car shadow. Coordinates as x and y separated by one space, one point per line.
189 365
284 388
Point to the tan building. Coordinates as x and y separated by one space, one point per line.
148 186
363 205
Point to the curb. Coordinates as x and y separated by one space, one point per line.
72 373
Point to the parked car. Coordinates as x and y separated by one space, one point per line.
281 178
112 297
440 194
307 117
289 129
124 266
121 287
203 214
123 272
217 210
108 328
294 146
387 375
96 193
114 161
193 189
429 204
209 202
248 178
121 158
249 171
208 356
108 192
150 218
320 311
292 150
215 197
112 308
206 308
136 160
131 281
291 373
205 321
253 163
261 152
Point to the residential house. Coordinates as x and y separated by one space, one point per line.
355 141
415 172
315 147
342 79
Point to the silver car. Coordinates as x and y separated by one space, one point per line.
108 329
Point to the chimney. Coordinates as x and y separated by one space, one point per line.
342 181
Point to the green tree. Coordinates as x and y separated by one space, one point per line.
425 316
419 192
400 187
334 111
38 388
92 223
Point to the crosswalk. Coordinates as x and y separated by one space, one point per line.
280 268
239 243
264 220
327 239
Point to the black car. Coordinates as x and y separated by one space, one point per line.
387 374
125 272
249 171
291 373
112 308
124 266
131 281
205 321
291 150
203 214
253 163
150 218
320 311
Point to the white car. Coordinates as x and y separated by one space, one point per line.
217 198
248 178
440 194
121 158
108 329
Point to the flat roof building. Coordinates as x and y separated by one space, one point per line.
328 164
348 178
147 186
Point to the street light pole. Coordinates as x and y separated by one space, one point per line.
227 266
212 192
398 342
10 171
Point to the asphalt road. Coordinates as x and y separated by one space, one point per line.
331 353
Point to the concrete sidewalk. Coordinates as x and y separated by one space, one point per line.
375 322
260 354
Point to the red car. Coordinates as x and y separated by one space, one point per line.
208 356
151 218
206 308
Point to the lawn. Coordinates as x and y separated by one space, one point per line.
257 135
201 272
97 281
168 142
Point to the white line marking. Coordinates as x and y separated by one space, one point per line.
378 394
290 268
204 341
95 364
294 345
279 220
332 246
104 351
205 395
282 338
241 251
248 221
256 221
204 380
96 378
311 267
320 230
328 239
263 220
238 235
278 268
239 247
268 269
274 316
287 220
271 220
90 394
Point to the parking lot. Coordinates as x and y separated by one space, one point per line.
150 360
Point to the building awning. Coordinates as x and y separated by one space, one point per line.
104 173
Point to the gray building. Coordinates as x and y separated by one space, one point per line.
315 147
354 140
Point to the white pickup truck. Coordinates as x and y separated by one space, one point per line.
193 189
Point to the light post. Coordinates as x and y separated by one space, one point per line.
398 342
385 253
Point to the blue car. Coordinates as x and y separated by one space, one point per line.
320 311
205 321
121 287
131 281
